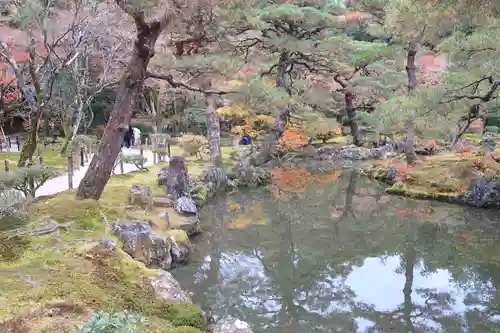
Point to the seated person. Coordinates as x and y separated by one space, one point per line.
245 140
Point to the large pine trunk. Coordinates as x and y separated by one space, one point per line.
353 120
268 147
213 130
411 71
129 93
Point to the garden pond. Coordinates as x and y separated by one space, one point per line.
331 252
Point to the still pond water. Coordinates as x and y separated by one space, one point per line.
333 253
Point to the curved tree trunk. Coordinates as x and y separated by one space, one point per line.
353 120
34 100
411 71
129 94
268 147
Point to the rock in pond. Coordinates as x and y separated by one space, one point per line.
483 193
145 245
353 152
140 196
185 205
231 325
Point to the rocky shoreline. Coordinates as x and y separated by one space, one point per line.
155 247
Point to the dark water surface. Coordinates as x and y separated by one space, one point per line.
341 256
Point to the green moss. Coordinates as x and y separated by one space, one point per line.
50 155
456 198
184 314
448 186
41 269
185 329
180 236
200 194
96 278
397 188
12 249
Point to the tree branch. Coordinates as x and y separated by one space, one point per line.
485 98
176 84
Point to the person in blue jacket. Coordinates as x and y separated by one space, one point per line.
245 140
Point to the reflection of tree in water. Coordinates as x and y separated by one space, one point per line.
290 274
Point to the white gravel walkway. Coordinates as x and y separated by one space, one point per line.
60 183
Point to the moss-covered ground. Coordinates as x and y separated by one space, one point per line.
51 157
443 177
50 283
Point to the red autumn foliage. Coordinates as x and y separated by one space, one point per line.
297 179
402 168
291 141
430 144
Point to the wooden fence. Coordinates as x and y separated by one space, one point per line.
10 143
81 157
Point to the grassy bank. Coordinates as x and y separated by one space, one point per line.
51 157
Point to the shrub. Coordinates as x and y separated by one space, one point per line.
191 144
492 120
491 129
12 202
27 180
117 322
291 141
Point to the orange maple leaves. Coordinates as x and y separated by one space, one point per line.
296 180
291 141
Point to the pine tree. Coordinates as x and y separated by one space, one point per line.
277 39
412 26
473 83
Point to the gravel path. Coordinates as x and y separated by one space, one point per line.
60 183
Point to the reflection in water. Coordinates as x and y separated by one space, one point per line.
344 257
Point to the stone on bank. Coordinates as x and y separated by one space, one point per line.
154 250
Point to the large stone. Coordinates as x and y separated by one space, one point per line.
353 152
142 244
231 325
163 202
185 205
215 179
167 288
177 180
483 193
189 223
163 175
378 153
140 196
181 246
154 250
328 153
